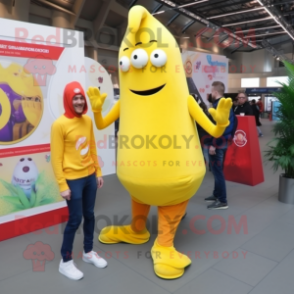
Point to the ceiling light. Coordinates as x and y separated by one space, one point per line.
159 12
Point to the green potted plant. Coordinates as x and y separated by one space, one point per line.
281 148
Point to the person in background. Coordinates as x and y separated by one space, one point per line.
217 150
256 112
243 105
78 174
260 106
235 103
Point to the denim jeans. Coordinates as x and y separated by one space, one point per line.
216 165
81 203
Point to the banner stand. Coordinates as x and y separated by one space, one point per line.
243 163
24 225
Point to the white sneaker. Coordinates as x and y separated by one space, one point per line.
70 270
94 258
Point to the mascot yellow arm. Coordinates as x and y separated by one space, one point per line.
111 116
220 116
97 100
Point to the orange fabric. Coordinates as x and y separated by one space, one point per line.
169 218
139 216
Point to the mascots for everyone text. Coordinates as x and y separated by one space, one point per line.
158 140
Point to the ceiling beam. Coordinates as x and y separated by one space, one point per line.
247 21
235 12
195 17
174 17
217 6
119 9
77 9
278 18
236 49
56 7
99 21
288 13
270 34
201 32
210 2
261 28
157 8
188 25
133 3
281 3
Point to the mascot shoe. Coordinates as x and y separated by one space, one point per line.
118 234
168 262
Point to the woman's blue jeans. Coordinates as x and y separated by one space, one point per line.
81 204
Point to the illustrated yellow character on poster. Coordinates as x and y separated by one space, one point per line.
157 138
21 104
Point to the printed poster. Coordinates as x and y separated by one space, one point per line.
202 69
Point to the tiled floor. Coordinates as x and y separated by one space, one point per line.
259 260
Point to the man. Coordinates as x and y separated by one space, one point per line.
244 106
77 171
235 103
260 106
217 149
256 112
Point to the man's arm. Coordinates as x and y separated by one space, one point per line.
57 154
93 153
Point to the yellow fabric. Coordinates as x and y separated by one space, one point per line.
117 234
159 159
73 149
168 262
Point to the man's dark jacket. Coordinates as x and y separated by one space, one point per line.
244 108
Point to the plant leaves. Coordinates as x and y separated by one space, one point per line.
9 187
23 198
46 201
33 198
11 199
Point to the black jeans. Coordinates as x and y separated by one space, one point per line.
216 165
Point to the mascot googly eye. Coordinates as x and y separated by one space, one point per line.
124 64
158 58
139 58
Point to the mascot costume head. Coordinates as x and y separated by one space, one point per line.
160 161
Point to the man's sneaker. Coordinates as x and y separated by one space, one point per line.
94 258
260 135
210 199
218 205
70 270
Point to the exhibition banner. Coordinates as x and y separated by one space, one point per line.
33 74
202 69
97 76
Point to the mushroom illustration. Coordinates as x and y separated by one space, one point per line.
39 253
40 68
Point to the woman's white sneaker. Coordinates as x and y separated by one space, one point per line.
94 258
69 270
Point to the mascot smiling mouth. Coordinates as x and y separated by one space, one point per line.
148 92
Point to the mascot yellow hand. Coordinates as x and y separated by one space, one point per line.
96 99
221 114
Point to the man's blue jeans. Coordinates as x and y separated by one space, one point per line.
216 165
81 203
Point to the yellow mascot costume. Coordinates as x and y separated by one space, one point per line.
158 141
